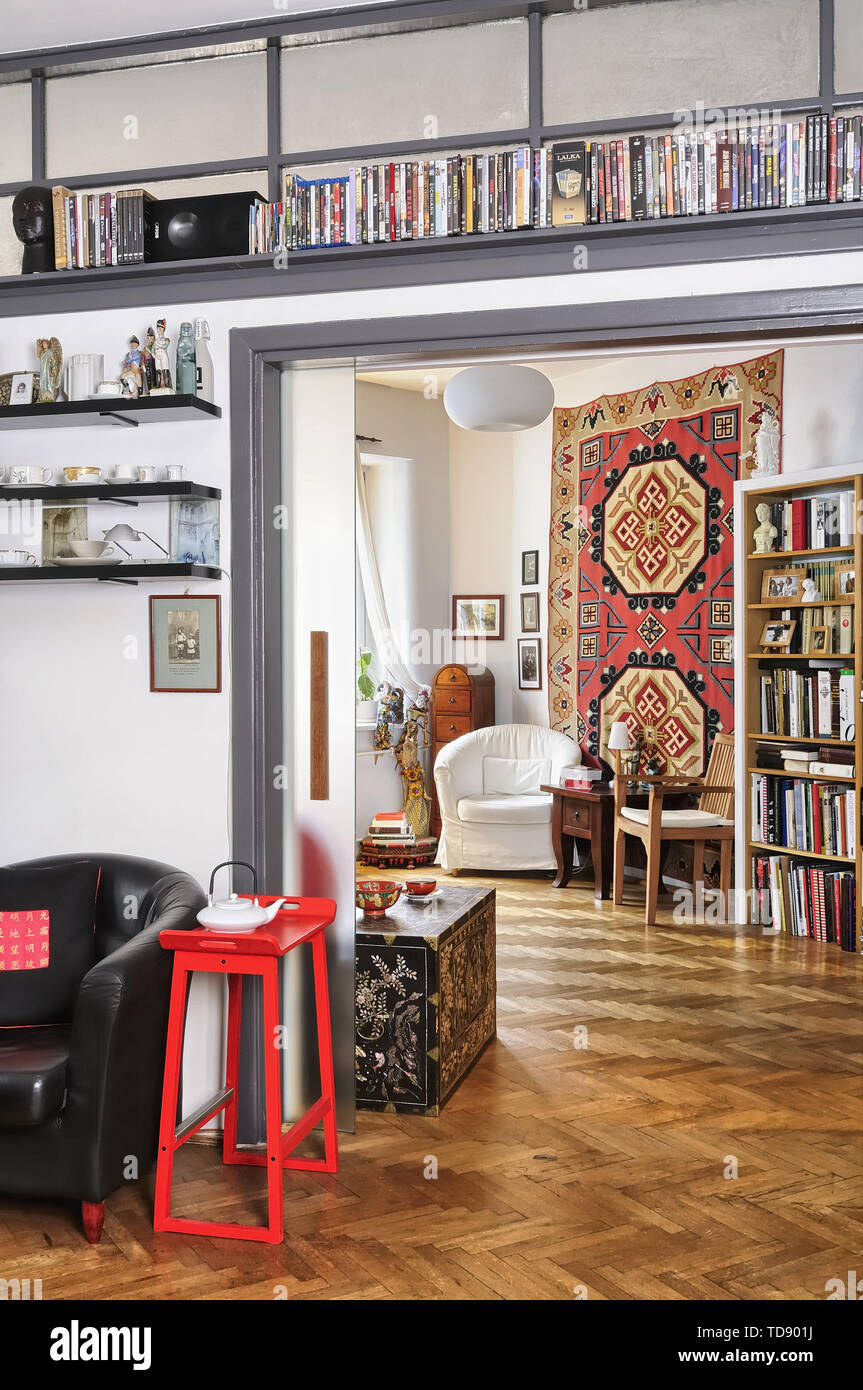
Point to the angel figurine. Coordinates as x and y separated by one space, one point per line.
767 442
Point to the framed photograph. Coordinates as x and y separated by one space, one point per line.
530 612
530 567
23 388
820 641
777 634
186 643
529 664
782 584
478 615
845 579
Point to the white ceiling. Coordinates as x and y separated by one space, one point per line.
55 23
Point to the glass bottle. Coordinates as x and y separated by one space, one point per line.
203 361
186 376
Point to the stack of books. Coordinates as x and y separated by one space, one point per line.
804 814
390 828
800 704
743 167
814 523
820 762
805 900
99 229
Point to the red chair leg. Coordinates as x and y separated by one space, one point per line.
325 1051
232 1066
168 1122
273 1094
93 1214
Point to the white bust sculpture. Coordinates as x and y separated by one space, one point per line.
765 531
767 445
810 593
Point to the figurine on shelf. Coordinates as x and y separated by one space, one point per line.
382 723
131 374
767 442
765 531
149 365
50 355
654 765
33 224
162 361
811 593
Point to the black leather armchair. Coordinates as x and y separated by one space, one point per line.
77 1103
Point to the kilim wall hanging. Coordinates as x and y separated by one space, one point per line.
641 593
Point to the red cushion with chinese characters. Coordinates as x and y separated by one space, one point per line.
47 944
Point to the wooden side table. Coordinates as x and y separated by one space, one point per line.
583 814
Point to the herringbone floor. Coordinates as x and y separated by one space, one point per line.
602 1168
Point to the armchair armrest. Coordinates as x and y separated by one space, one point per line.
447 794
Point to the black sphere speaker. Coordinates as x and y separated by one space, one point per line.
186 229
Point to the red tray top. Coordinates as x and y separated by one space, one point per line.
289 928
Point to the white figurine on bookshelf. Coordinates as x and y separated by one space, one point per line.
811 594
765 531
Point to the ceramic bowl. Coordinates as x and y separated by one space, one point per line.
421 887
90 550
375 895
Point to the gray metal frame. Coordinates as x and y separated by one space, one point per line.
410 13
255 358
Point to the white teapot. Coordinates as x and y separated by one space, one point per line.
236 914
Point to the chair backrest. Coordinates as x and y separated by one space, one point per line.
720 773
532 742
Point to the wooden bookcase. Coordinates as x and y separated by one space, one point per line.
751 612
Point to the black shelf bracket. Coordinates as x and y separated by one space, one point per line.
118 419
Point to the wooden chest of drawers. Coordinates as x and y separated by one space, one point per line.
462 700
425 999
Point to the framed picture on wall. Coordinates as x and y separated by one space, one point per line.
529 664
478 615
186 643
530 612
530 567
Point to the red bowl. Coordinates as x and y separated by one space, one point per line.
375 895
420 887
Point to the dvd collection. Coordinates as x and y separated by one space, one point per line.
96 229
751 166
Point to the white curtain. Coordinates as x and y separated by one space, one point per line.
385 646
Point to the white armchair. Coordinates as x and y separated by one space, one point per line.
493 815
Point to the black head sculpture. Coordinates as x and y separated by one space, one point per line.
33 223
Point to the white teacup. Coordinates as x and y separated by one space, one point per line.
126 473
109 388
174 472
17 557
90 550
28 474
82 473
147 473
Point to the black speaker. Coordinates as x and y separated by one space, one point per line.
187 229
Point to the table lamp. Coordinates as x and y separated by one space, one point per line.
618 740
123 532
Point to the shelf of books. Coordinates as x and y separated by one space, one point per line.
802 753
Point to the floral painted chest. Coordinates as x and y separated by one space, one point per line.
425 998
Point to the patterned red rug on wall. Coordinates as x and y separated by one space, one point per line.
641 594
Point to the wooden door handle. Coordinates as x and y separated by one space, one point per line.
319 717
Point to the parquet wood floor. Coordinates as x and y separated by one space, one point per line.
559 1167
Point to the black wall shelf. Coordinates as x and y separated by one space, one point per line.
117 574
64 494
123 412
491 255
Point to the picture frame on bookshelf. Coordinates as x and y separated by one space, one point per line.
820 643
845 583
782 585
777 634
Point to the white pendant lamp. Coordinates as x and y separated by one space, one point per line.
498 398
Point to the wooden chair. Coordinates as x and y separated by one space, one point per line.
712 820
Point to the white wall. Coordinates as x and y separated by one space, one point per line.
92 760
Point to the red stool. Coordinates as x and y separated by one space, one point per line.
248 953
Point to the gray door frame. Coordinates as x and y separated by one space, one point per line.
256 357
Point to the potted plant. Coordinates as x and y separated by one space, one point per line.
366 706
